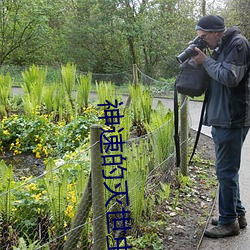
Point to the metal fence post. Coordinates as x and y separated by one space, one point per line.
98 198
184 135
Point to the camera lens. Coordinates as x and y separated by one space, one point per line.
187 53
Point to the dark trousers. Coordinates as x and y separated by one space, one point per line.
228 145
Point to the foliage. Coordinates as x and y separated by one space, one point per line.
141 109
44 206
51 200
148 241
34 81
22 23
106 91
5 90
6 184
161 126
68 74
137 163
43 137
83 91
106 36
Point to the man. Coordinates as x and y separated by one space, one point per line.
228 112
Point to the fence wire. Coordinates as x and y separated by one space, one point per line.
54 209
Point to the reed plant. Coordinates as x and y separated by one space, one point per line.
83 91
5 90
141 106
56 184
48 97
106 91
34 80
138 157
62 106
161 129
68 74
6 184
137 163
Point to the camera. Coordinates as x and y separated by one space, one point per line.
190 51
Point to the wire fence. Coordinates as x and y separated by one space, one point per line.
68 207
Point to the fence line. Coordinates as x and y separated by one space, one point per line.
164 167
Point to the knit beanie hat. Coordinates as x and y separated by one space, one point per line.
210 23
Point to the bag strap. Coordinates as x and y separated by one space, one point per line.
199 127
176 126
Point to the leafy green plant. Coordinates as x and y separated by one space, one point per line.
141 103
83 91
68 74
23 245
34 81
43 137
5 90
147 241
30 208
161 128
176 199
184 181
6 184
48 98
137 164
107 91
165 190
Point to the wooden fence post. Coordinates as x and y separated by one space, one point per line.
98 197
184 135
135 74
80 218
135 82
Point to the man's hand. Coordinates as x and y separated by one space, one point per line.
200 58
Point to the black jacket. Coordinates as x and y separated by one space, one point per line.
229 90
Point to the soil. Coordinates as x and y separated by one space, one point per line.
186 222
25 164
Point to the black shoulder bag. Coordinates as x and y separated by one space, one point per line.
191 81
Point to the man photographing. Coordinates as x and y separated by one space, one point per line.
228 112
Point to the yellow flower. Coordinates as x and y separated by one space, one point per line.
69 211
6 132
38 156
37 196
73 199
31 187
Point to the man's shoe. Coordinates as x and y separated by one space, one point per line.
241 219
221 231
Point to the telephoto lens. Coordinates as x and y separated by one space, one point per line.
190 50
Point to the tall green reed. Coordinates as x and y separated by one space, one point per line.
33 86
48 97
161 128
83 91
106 91
141 106
137 163
6 184
5 90
68 74
56 184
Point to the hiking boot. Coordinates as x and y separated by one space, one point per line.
241 219
221 230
